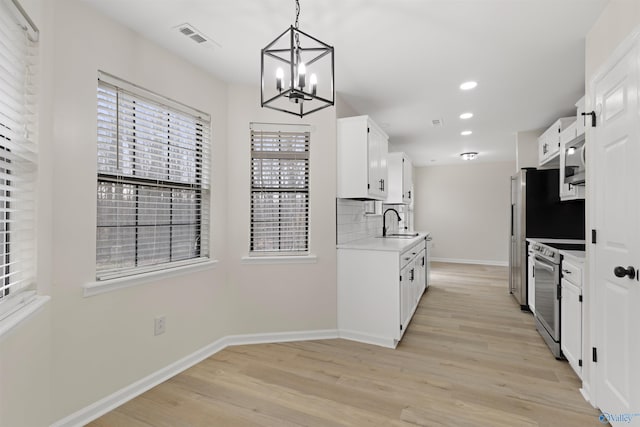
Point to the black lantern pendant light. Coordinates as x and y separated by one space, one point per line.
297 73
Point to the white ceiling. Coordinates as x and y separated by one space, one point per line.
402 61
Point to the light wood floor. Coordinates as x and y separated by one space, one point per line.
469 358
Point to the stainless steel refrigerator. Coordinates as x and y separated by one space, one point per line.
537 212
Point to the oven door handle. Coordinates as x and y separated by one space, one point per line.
545 265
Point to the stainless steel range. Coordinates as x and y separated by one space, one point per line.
546 270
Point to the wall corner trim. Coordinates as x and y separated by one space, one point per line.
112 401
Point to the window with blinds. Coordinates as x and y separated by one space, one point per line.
153 181
18 151
279 189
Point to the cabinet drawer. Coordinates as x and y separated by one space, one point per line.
411 253
572 273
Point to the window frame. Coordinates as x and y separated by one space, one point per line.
18 165
197 183
281 255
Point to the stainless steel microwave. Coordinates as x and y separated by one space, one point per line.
574 165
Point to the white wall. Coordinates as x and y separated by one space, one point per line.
78 350
344 109
103 343
25 351
615 23
281 297
466 208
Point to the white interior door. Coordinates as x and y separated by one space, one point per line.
616 183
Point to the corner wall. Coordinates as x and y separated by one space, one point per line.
105 342
283 296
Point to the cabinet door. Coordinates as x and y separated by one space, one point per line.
427 260
407 180
543 147
571 325
406 294
421 266
377 150
373 156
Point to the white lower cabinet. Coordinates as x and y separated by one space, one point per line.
407 294
379 291
571 314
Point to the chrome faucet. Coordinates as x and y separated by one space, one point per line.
384 220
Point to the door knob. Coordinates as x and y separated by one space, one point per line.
620 271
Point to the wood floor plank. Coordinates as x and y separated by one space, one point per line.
470 357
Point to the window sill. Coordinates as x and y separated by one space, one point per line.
22 312
103 286
285 259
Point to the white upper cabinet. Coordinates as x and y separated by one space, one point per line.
400 179
362 159
549 143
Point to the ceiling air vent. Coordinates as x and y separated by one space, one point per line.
436 123
190 31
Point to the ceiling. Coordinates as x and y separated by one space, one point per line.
402 61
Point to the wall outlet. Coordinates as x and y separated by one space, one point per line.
159 325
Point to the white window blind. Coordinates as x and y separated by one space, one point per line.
153 181
18 151
279 189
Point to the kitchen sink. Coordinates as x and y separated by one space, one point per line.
400 235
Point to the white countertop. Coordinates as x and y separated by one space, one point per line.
578 256
384 243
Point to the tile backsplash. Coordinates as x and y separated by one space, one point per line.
353 223
354 220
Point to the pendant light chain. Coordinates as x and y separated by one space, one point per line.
296 25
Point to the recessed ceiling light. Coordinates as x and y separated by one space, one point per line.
465 116
466 132
468 85
469 156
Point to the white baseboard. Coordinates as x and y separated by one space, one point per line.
102 406
269 338
586 393
472 261
367 339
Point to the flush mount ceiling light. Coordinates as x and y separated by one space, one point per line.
466 132
465 116
471 155
468 85
297 73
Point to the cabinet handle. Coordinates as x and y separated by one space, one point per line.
422 261
381 185
409 193
565 271
407 258
412 275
